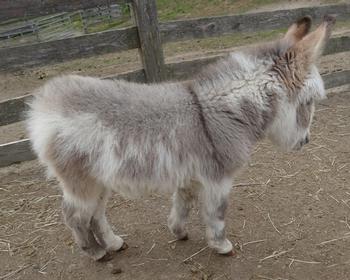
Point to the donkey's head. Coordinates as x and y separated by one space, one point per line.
298 83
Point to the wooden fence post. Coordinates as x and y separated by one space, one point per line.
83 19
145 12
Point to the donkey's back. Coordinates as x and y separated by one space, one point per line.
130 137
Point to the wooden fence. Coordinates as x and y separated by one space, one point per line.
148 36
35 26
59 26
100 14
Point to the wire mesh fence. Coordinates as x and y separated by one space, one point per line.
62 25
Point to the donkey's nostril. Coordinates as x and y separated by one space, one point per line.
307 139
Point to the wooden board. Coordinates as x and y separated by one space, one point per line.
337 45
66 49
220 25
14 152
13 110
185 70
137 76
33 8
336 79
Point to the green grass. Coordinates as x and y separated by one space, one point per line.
217 44
178 9
342 24
102 26
175 9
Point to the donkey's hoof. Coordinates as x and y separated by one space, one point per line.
223 247
121 248
183 238
106 258
231 253
124 247
115 245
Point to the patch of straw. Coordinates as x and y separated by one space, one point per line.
195 254
334 239
268 215
276 254
332 197
14 272
292 260
150 250
254 242
247 185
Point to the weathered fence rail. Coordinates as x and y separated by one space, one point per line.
70 48
222 25
15 152
148 37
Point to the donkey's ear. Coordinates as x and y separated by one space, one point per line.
298 30
311 46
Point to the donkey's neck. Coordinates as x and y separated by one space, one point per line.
238 104
242 87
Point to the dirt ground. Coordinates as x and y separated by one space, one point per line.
288 216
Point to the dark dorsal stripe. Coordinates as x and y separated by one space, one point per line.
204 124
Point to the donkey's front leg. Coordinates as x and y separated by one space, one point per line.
183 200
215 202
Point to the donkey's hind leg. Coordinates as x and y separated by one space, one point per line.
78 215
102 229
80 200
183 200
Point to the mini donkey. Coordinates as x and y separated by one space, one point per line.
188 138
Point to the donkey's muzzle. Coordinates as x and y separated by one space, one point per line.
301 143
304 141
